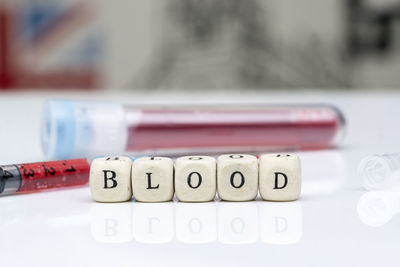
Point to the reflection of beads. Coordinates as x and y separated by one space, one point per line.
198 223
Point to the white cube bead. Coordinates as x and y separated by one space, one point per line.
153 179
195 178
237 177
110 179
280 177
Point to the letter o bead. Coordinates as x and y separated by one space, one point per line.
280 177
195 178
237 177
110 179
153 179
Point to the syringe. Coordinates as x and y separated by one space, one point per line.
39 176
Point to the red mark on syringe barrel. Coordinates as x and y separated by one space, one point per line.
48 175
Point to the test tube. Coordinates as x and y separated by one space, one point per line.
85 129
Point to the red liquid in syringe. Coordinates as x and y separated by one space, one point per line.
34 177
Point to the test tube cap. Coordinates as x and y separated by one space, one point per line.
379 172
82 129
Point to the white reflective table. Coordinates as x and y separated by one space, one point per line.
335 223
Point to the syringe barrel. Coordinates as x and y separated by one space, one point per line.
39 176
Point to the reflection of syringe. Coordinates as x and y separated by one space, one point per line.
380 172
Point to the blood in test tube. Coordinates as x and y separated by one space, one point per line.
292 127
33 177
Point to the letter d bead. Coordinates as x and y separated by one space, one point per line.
280 177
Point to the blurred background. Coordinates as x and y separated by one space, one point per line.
209 44
166 52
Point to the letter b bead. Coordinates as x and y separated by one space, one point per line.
110 179
280 177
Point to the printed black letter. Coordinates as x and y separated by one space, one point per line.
149 182
241 180
112 178
276 180
189 180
